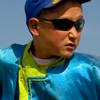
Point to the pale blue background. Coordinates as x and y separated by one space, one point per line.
13 27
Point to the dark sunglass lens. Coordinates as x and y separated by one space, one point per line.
62 24
80 24
66 24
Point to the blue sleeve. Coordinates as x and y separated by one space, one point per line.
96 72
1 80
1 91
8 73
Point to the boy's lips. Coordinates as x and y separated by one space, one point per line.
71 46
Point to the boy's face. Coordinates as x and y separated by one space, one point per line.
53 42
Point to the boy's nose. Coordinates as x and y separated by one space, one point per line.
73 33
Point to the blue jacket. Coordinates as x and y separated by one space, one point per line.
74 78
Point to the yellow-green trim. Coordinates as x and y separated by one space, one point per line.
31 69
23 89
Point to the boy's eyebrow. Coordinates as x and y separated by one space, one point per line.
79 17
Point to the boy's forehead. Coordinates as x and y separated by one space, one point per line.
70 10
34 7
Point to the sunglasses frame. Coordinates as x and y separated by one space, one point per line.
72 23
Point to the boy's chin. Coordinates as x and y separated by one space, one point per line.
68 55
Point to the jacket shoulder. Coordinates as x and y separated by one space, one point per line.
11 53
87 58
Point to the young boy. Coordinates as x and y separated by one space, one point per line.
46 68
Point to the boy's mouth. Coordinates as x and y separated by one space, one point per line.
71 46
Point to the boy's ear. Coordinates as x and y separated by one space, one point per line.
33 26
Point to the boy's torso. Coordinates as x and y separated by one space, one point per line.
64 79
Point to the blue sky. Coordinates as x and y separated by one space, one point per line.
13 27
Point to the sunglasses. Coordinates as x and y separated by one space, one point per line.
66 24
